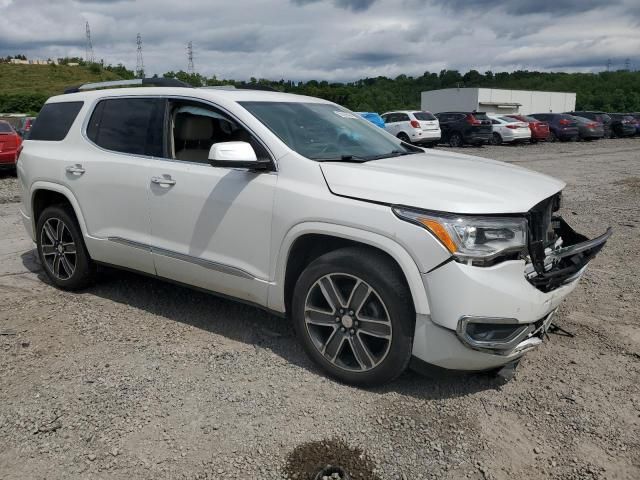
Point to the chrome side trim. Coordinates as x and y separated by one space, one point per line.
218 267
130 243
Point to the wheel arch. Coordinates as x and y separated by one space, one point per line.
306 242
44 194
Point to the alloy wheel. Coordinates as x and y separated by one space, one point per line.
58 248
347 322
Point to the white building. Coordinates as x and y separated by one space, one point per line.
494 100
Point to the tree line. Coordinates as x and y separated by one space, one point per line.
616 91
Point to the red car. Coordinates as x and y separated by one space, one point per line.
539 130
10 143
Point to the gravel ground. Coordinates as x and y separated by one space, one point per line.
9 189
136 378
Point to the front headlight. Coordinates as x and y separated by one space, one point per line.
471 237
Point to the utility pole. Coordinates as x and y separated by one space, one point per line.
608 64
627 64
88 45
190 68
139 60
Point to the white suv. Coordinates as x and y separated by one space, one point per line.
411 126
301 207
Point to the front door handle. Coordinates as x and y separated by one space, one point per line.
75 169
163 182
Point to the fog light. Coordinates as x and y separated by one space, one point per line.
492 333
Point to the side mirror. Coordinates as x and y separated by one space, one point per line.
235 155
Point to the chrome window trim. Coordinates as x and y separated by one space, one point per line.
211 265
91 106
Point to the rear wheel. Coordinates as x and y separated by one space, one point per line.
404 137
455 140
353 313
552 137
495 139
61 249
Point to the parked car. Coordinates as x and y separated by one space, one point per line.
508 130
635 121
24 126
562 127
10 143
412 126
373 118
589 129
622 125
377 251
460 128
600 117
539 129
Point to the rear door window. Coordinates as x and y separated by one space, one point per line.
54 121
129 125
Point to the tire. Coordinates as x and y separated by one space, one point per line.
61 249
456 140
334 331
552 137
404 137
431 144
495 139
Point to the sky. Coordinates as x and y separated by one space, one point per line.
335 40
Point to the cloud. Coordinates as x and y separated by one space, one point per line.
353 5
527 7
335 40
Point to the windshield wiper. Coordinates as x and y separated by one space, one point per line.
344 158
393 153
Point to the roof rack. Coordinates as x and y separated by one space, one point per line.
157 82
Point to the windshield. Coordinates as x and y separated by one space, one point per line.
325 132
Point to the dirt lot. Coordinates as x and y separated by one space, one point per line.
138 379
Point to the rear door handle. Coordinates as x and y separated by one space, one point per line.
76 169
162 181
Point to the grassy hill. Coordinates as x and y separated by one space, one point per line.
47 79
24 88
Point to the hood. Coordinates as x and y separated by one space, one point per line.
442 181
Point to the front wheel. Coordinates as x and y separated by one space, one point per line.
61 249
552 137
354 316
495 139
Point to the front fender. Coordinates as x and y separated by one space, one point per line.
276 298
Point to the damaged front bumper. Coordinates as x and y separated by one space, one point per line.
485 317
563 261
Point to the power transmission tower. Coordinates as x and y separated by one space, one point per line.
88 46
627 64
139 60
608 64
190 68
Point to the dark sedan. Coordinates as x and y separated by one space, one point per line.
622 125
589 129
562 127
600 117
